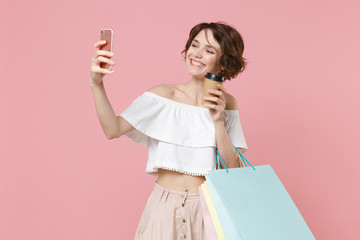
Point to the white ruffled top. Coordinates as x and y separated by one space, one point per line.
179 136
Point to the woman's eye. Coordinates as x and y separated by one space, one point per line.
193 45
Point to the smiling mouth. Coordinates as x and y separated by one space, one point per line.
196 63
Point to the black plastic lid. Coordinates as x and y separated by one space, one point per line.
214 77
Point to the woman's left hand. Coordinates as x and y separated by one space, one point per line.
217 109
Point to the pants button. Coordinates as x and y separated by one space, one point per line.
183 204
184 236
183 220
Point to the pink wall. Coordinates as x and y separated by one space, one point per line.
60 178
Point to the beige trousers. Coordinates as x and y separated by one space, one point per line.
169 215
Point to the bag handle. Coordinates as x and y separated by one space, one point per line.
240 154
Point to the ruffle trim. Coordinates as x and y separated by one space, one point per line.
154 171
174 122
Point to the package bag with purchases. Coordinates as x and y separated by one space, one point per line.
252 204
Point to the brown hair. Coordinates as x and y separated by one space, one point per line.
231 43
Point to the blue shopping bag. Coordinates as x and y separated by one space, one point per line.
253 204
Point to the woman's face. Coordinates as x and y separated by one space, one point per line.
203 56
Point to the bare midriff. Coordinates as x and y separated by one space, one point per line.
179 181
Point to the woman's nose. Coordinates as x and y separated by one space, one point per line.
198 54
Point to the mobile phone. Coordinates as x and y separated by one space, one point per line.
106 34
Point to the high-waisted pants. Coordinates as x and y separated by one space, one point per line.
171 215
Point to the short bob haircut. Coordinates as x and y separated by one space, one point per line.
232 46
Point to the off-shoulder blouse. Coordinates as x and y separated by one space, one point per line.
179 136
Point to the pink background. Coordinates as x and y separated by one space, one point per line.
60 178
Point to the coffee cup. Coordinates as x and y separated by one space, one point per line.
210 82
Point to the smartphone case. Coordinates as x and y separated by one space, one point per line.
106 34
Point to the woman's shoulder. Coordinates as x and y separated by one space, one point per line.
163 90
231 102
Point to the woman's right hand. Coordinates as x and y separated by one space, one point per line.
98 73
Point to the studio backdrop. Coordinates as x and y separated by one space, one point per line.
298 100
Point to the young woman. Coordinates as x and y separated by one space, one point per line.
181 134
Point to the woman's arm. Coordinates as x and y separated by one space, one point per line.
223 143
112 125
225 147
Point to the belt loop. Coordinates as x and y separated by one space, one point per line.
162 193
167 195
186 195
